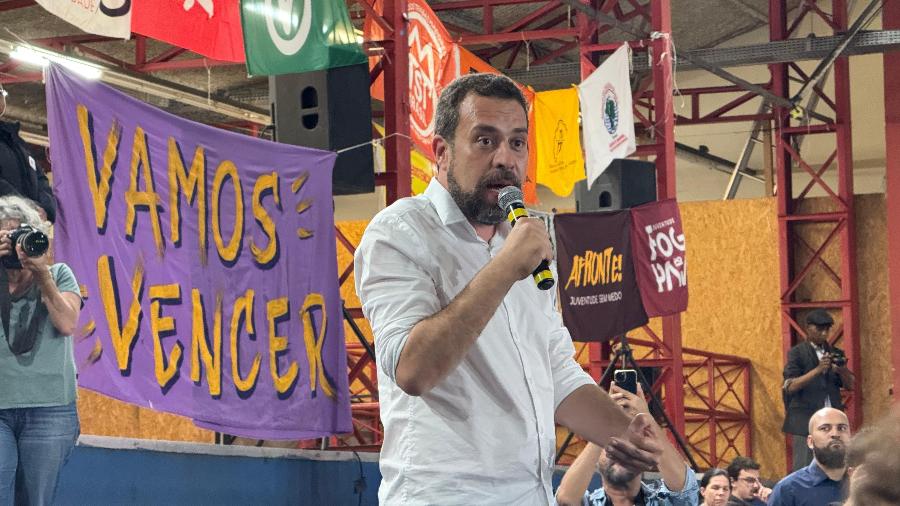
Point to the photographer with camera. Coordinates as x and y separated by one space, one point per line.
814 375
39 307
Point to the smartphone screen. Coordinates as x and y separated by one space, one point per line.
626 379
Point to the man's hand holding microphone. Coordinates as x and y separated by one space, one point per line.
528 245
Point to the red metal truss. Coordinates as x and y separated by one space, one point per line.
891 21
808 234
549 21
698 114
367 432
717 397
667 350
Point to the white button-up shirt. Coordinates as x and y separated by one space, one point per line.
485 434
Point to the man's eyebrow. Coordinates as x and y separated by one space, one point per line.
484 128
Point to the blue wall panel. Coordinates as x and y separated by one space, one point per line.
99 476
106 476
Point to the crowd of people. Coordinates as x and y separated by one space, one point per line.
844 471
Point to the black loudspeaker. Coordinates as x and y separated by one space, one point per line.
624 184
329 109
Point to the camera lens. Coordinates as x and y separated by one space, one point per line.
34 243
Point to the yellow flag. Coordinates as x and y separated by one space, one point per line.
560 163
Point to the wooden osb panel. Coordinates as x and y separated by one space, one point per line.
874 320
104 416
353 231
732 259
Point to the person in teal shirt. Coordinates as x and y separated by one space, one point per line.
39 307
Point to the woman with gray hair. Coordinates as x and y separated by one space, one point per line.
39 307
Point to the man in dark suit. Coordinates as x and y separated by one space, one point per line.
814 375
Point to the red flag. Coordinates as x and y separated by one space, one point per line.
211 28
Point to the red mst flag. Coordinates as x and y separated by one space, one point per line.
211 28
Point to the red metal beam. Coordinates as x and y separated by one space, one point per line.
396 103
27 77
478 4
844 140
791 223
530 35
84 38
9 5
168 55
140 50
193 63
100 55
890 19
661 15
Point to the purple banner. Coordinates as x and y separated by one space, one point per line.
208 264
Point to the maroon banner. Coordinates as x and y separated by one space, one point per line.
597 285
659 257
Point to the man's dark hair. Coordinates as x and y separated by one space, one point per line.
446 116
741 464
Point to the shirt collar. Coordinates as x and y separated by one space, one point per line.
443 203
816 473
650 491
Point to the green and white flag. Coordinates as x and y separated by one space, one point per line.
291 36
607 118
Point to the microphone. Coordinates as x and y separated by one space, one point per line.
510 200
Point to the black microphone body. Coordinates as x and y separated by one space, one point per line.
510 200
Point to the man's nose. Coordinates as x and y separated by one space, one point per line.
505 156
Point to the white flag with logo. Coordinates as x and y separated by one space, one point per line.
110 18
606 114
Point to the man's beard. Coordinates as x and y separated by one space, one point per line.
617 476
831 457
473 204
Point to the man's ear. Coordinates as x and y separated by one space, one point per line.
440 148
809 442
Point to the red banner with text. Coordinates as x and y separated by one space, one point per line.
657 237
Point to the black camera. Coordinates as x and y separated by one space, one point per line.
838 358
34 243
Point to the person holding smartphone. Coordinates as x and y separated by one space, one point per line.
678 486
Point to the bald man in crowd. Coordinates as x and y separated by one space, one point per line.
823 481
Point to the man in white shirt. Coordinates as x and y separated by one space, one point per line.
474 364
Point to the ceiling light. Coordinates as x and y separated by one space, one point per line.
38 57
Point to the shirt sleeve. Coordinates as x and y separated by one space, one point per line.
690 494
794 367
65 279
568 375
394 288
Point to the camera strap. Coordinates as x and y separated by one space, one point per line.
21 344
